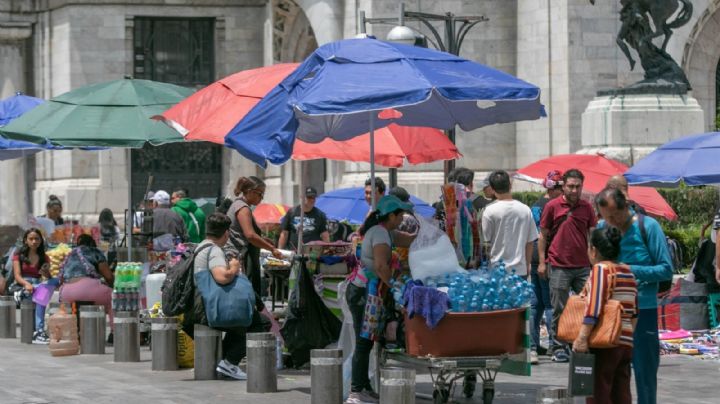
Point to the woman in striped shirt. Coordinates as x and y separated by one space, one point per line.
609 280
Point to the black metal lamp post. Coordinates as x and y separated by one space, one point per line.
456 28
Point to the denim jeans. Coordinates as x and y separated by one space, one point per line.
540 305
562 281
356 298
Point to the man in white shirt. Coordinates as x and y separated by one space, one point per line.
508 226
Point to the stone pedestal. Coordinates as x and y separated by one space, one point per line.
628 127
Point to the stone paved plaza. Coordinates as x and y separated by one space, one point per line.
30 375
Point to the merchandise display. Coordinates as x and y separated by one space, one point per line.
57 257
126 295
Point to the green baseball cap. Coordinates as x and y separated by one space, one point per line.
390 203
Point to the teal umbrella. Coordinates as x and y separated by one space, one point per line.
110 114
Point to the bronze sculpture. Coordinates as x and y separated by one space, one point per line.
662 73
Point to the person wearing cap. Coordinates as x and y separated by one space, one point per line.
380 234
165 221
541 304
314 222
409 223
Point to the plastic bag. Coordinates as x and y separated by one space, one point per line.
186 351
309 324
432 253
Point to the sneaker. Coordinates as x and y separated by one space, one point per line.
40 338
560 356
370 393
228 369
361 398
534 358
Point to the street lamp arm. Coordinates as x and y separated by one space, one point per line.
464 29
439 45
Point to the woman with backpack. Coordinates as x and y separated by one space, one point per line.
609 280
210 260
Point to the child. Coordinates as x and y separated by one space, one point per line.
30 265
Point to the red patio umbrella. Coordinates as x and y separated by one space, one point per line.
209 114
270 213
597 170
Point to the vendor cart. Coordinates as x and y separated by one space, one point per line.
465 346
445 372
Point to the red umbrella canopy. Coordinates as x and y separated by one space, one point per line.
209 114
597 169
270 213
393 144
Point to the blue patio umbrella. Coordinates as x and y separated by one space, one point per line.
16 105
11 108
347 87
691 159
348 204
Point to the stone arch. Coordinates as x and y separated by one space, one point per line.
293 35
700 60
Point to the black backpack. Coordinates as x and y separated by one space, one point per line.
178 289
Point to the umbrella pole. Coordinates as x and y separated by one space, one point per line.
131 216
302 209
372 159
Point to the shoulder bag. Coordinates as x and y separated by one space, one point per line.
226 306
607 331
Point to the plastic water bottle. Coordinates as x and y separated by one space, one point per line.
462 305
474 306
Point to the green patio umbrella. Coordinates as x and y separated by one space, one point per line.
110 114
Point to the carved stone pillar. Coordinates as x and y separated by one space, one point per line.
13 182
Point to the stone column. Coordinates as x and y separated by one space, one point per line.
13 183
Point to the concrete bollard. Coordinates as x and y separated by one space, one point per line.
397 386
92 330
126 337
27 321
164 343
553 395
261 363
208 351
8 325
326 382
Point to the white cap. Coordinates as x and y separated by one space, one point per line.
161 197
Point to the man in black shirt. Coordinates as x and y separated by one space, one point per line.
314 227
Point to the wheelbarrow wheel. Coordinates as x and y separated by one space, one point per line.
469 387
441 396
488 395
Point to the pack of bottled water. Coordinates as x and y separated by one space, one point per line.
484 289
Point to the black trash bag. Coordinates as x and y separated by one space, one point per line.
309 323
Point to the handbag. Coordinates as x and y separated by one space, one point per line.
226 306
607 331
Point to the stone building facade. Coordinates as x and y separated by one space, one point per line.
566 47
